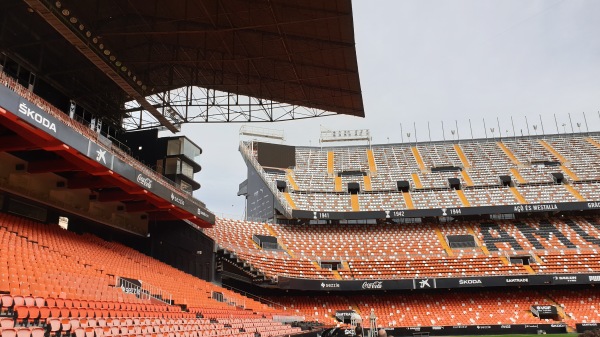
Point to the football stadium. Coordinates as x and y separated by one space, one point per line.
101 234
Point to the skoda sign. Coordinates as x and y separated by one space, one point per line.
36 117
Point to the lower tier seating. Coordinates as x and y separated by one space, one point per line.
55 282
453 307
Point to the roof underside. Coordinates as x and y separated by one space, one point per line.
300 52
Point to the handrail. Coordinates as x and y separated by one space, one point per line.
144 290
254 297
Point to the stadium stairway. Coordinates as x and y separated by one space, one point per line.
442 240
289 200
463 199
574 192
518 195
371 160
562 313
518 177
482 247
537 259
338 184
552 150
504 260
593 142
569 173
466 177
330 159
290 178
418 158
354 203
408 200
281 244
508 153
416 180
367 183
461 156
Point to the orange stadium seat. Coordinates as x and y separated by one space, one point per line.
72 280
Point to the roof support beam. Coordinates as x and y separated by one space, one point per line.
63 27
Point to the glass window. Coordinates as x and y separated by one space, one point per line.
190 150
187 170
172 166
174 147
185 187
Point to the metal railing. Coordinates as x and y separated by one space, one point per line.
144 291
262 300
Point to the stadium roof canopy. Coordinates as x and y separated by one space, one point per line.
191 60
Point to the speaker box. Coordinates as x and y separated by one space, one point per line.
60 184
20 167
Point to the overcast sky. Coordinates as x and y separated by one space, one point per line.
430 61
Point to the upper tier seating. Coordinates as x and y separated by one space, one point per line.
533 164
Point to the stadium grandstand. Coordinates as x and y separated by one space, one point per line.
100 232
419 223
101 235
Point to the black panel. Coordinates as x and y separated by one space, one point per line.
505 180
454 183
403 185
183 247
352 174
276 155
281 185
144 145
26 209
353 188
558 177
446 169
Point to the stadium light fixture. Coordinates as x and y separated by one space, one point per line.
253 131
344 135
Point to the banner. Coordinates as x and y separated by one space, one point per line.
544 311
454 212
345 316
461 330
583 327
432 283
